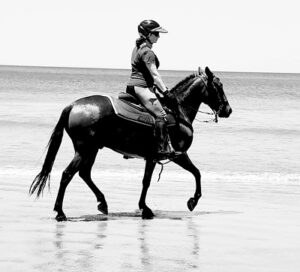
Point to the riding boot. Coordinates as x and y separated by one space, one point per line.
164 149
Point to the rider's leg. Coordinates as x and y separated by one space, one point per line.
150 101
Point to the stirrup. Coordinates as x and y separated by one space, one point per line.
165 155
175 154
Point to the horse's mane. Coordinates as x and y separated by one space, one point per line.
183 82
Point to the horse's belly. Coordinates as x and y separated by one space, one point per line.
128 137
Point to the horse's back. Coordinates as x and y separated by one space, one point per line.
100 101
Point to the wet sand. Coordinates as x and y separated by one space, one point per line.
242 223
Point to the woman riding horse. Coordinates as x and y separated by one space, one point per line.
92 124
144 77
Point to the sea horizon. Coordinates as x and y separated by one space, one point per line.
21 66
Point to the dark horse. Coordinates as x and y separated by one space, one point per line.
91 123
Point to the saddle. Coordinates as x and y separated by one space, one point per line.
126 106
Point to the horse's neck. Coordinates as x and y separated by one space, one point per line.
192 98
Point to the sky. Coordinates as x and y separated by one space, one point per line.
226 35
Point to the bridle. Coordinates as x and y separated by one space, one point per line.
200 75
203 77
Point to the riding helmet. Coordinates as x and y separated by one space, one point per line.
149 26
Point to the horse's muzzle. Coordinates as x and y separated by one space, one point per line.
225 111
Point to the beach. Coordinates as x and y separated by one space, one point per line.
248 216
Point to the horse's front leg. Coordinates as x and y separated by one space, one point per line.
146 211
185 162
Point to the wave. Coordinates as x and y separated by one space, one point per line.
273 131
27 123
174 175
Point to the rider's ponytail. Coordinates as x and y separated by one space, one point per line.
140 41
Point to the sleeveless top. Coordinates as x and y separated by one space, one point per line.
140 75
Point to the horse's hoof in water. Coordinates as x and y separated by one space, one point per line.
192 203
103 208
147 214
61 217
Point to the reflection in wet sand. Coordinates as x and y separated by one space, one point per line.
165 254
71 250
59 235
126 244
144 247
193 235
101 235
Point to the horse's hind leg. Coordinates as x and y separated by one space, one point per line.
146 211
85 174
67 176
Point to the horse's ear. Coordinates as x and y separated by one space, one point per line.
209 73
200 71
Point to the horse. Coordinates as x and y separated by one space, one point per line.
92 124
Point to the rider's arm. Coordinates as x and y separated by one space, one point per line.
156 77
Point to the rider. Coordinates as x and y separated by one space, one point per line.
145 77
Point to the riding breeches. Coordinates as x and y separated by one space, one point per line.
150 101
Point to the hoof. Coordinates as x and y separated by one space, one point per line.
147 214
192 203
61 217
103 208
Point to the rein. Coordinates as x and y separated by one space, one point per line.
215 119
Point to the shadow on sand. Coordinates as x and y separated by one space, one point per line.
136 215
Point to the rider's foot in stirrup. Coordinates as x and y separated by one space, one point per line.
170 153
173 153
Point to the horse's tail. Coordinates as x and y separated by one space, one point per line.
40 180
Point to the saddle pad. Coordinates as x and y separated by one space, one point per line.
129 111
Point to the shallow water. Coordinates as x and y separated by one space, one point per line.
247 220
240 224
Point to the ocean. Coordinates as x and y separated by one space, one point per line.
249 165
261 136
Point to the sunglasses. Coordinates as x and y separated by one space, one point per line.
155 34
